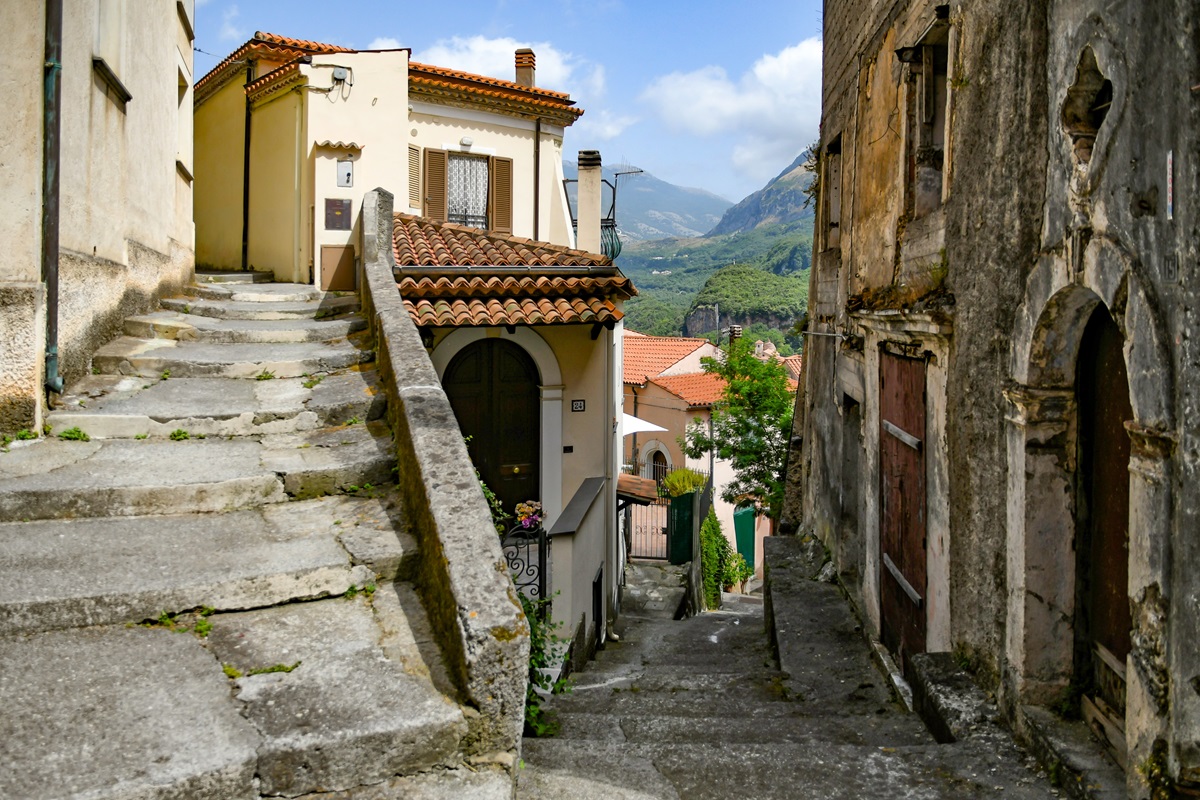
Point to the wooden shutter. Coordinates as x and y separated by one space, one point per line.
414 177
435 184
500 195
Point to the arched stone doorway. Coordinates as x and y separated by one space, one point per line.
1088 313
492 385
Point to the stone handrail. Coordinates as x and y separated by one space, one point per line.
462 578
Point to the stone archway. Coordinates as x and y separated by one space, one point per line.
1062 294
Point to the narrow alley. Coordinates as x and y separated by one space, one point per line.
699 708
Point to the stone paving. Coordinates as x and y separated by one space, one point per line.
699 709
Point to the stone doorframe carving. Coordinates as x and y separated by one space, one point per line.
1062 292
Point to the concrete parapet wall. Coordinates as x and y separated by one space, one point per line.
462 576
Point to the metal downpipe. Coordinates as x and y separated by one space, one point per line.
51 127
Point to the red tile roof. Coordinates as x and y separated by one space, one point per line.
435 83
697 389
262 46
452 276
647 356
793 365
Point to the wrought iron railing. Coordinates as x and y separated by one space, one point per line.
527 553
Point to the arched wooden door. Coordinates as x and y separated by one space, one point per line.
493 388
1102 519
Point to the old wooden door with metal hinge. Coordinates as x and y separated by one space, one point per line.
1103 570
902 570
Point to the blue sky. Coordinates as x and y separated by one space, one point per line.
715 95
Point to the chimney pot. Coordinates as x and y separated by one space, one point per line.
526 67
590 177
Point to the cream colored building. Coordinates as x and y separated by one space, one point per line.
290 135
124 181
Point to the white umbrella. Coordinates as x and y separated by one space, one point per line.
631 424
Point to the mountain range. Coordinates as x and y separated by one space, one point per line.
650 208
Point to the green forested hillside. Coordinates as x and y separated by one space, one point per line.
670 273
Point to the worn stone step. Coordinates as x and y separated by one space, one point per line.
153 358
59 479
194 327
328 307
231 276
464 783
721 768
82 572
156 713
346 715
117 406
882 730
259 292
120 713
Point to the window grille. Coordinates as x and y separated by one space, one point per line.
467 190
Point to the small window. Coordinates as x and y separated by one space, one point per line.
467 190
832 196
928 128
107 54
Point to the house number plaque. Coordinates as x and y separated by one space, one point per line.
578 405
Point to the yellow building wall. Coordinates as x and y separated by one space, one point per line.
276 151
220 130
370 113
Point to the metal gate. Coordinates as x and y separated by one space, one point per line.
902 570
647 528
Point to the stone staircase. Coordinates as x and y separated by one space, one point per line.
699 709
206 590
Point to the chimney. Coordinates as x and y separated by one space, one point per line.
526 64
587 236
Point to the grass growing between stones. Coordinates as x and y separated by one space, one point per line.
74 435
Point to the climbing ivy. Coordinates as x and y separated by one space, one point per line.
543 642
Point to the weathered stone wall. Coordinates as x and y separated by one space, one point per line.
993 233
1038 227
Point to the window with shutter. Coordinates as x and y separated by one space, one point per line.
414 176
468 189
435 184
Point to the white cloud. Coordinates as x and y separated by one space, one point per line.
602 124
772 111
556 69
228 29
384 43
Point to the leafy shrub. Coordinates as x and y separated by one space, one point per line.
721 566
679 482
543 637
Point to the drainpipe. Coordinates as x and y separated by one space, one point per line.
246 176
51 126
537 177
633 445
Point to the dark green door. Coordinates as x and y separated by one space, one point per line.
743 529
679 528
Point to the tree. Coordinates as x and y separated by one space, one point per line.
750 426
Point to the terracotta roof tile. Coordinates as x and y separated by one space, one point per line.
793 365
418 241
499 83
697 389
647 356
263 46
452 276
302 44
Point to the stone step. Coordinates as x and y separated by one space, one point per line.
260 292
155 713
60 479
116 406
81 572
720 768
891 730
193 327
231 276
328 307
152 358
347 714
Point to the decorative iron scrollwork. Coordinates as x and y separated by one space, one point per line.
527 554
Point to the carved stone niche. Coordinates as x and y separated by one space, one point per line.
1086 106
